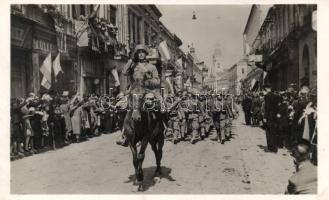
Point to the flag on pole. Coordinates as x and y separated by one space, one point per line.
45 69
116 77
264 76
93 14
164 50
45 83
57 66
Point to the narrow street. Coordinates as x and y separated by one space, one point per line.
99 166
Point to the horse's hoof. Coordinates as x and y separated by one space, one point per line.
140 188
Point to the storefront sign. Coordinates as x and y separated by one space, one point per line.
44 46
21 36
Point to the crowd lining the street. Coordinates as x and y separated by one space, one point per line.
54 121
290 121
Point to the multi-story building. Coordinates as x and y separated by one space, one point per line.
94 42
36 31
287 44
238 72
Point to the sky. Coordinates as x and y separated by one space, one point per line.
216 25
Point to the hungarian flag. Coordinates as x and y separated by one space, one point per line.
45 83
57 66
45 69
116 77
164 51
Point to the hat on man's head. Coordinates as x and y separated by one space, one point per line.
301 151
65 94
140 47
304 90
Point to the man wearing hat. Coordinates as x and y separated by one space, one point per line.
17 135
304 181
65 109
271 114
227 108
28 131
194 111
143 78
174 116
246 106
183 109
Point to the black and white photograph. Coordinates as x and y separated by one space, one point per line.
142 99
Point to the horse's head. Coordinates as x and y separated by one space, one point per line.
150 103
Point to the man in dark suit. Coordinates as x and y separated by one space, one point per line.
246 106
271 115
304 181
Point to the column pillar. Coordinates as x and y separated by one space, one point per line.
35 73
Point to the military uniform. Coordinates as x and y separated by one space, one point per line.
184 108
193 117
227 109
203 117
217 117
143 79
174 118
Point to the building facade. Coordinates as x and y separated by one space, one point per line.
287 45
94 42
36 31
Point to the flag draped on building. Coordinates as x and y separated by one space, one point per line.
164 51
45 69
57 66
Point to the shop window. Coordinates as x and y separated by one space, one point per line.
134 27
82 10
113 15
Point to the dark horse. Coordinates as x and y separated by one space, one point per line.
148 130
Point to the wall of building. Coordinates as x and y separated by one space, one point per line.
255 20
308 44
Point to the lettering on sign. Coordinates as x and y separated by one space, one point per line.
42 45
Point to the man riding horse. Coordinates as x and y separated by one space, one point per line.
143 121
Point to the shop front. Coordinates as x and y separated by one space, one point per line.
92 73
21 55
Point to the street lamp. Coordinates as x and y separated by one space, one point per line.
194 16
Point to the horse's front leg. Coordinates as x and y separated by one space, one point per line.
140 158
157 149
135 159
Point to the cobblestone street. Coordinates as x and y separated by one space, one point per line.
99 166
